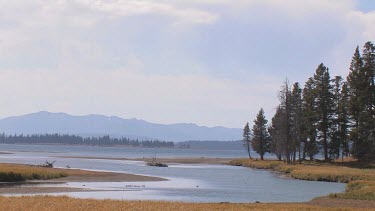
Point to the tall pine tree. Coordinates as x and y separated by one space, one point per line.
309 119
261 139
324 104
343 120
285 97
335 143
356 101
360 102
296 118
277 133
369 113
246 138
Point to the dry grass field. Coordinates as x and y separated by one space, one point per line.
42 203
361 181
16 173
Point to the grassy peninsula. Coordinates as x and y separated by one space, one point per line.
17 173
21 173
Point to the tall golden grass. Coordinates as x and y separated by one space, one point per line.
362 179
42 203
15 173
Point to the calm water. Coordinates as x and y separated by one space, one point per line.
193 183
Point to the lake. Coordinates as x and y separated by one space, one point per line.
190 183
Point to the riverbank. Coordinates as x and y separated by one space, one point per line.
361 181
41 203
26 179
187 160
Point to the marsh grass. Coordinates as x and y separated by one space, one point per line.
42 203
361 182
16 173
360 190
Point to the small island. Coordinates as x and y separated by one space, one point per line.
155 163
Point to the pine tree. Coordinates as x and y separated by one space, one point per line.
343 120
246 138
369 92
361 100
309 119
296 120
356 100
323 106
369 71
335 143
277 133
260 140
285 97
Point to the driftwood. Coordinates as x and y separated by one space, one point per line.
47 164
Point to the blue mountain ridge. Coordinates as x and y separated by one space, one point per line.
97 125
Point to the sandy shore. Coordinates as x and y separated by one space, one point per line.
74 175
77 175
34 189
189 160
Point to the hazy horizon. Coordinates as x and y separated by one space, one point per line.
126 118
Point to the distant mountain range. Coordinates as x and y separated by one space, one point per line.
97 125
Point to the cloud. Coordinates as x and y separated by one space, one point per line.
115 9
213 62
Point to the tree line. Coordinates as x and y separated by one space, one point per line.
78 140
329 115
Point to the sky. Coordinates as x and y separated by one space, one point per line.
209 62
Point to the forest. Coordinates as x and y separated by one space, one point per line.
78 140
331 117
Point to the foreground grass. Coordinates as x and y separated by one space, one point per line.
17 173
41 203
361 182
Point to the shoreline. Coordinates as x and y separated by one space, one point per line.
359 181
73 175
173 160
90 145
79 175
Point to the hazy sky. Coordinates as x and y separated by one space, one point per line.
210 62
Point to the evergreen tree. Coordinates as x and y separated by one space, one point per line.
323 106
335 143
369 91
296 118
369 71
356 105
286 104
246 138
260 140
360 80
343 120
309 119
333 115
277 133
